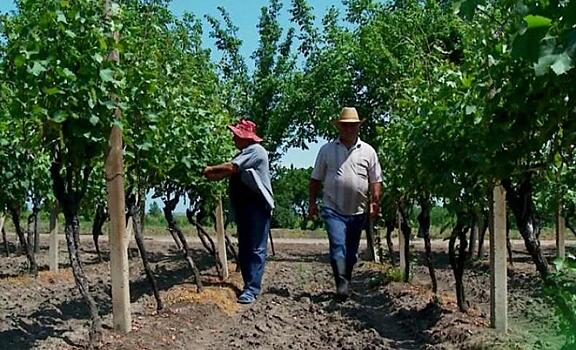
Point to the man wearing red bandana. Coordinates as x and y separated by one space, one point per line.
252 203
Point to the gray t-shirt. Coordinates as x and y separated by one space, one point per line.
254 172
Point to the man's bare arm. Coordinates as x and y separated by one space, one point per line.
313 190
220 171
375 193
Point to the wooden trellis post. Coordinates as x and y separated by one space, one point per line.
401 247
53 247
498 272
129 231
117 236
2 218
560 230
221 239
371 243
114 166
370 240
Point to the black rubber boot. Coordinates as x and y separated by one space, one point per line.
339 270
349 269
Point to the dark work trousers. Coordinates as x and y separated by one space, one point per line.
253 221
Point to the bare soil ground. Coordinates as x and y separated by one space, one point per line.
296 310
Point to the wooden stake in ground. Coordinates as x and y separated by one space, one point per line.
370 240
221 240
498 272
114 166
53 248
118 243
560 229
129 230
402 247
6 252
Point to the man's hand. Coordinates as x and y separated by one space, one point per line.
312 210
374 209
313 189
209 173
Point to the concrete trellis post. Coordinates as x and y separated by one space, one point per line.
498 272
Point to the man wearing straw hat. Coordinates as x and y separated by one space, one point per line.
350 173
252 203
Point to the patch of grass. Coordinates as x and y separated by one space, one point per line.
383 274
394 275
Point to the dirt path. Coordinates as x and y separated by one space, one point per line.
296 310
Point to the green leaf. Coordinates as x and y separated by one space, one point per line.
68 73
106 75
115 9
51 91
186 162
60 17
94 119
145 146
98 57
37 68
527 45
537 21
543 65
59 117
559 264
562 65
19 61
37 110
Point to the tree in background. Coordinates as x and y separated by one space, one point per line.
155 210
290 187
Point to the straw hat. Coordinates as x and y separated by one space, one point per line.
349 115
245 129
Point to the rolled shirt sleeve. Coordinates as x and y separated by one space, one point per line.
248 158
319 171
374 171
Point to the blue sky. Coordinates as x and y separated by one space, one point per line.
244 14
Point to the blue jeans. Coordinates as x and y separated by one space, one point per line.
253 222
344 233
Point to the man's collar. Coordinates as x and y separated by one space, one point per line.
356 145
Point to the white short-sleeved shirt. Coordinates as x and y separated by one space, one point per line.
346 174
